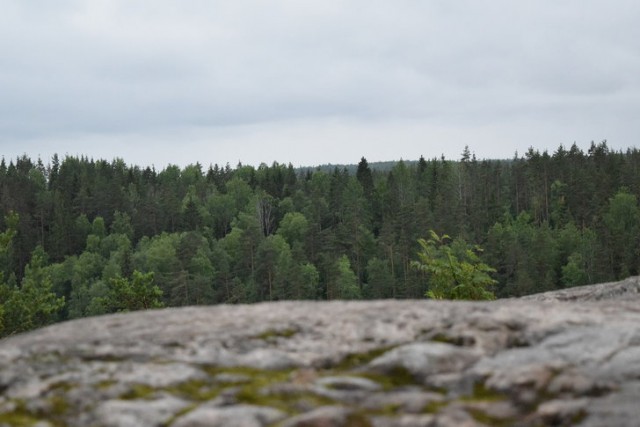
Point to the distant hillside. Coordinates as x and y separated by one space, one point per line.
352 168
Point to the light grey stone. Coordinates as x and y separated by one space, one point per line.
158 375
265 358
226 378
404 402
624 290
138 413
341 389
424 359
230 416
455 416
327 416
618 408
562 411
403 421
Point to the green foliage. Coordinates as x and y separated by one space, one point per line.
122 224
622 221
530 257
11 221
245 234
294 227
274 263
33 304
454 269
305 279
139 293
6 237
83 273
574 272
346 280
381 283
98 227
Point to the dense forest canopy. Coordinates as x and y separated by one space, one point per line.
83 237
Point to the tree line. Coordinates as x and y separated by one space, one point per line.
84 237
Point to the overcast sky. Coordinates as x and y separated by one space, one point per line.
311 82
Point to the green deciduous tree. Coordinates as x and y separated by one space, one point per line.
138 293
574 272
304 279
346 280
78 277
159 255
454 269
293 227
274 262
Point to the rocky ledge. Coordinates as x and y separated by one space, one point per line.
566 358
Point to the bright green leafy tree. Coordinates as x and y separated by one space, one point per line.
454 268
139 293
346 280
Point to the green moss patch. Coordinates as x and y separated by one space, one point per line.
18 419
273 334
59 405
195 390
396 377
357 420
483 394
253 392
103 385
434 407
138 391
356 360
486 419
21 417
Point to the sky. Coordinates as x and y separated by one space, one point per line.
158 82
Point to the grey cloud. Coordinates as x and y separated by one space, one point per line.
135 68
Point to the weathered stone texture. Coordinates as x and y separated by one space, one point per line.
566 358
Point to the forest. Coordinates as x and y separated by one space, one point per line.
83 237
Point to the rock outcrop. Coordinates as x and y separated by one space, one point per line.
565 358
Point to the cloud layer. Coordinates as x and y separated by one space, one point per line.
313 82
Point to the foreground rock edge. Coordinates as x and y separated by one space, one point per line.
510 362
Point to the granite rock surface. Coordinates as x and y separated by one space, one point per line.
570 357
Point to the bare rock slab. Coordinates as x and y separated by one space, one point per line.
566 358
